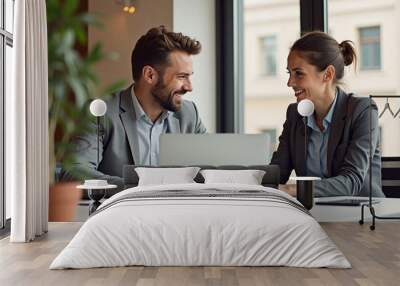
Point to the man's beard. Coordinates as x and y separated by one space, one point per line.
165 97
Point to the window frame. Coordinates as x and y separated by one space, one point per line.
229 55
361 42
265 51
6 39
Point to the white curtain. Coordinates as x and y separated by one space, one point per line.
27 124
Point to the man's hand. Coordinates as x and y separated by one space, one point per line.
290 189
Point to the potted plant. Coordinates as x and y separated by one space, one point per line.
72 84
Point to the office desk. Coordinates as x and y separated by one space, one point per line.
325 213
322 213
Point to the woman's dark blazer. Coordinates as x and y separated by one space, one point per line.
348 149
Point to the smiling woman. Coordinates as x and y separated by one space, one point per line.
315 70
338 145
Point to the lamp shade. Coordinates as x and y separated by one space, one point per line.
305 107
98 107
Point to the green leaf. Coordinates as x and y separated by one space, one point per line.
113 56
78 88
80 33
95 54
70 7
68 40
91 19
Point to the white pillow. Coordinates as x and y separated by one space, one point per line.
248 177
164 176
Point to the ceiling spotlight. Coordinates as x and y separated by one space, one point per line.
132 9
128 6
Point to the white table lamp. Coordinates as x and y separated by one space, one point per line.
98 108
305 108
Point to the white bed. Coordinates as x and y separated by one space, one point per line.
224 225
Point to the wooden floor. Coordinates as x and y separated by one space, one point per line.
375 257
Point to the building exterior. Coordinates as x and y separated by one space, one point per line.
271 26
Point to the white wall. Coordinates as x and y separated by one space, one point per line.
196 18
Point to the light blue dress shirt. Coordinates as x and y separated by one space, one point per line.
317 149
147 147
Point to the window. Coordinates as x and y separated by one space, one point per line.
6 62
370 48
272 137
270 28
268 55
376 41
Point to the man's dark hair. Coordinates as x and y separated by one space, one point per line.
154 47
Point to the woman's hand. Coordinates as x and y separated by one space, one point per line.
290 189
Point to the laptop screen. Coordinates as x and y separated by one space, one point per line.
214 149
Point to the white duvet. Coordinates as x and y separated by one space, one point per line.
183 231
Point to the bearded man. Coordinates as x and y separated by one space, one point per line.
151 106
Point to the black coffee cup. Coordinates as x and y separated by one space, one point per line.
305 193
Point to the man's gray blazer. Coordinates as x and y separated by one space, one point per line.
348 149
118 136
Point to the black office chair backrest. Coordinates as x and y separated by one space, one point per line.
391 176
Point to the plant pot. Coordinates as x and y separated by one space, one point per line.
63 199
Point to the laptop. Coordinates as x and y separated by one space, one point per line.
215 149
